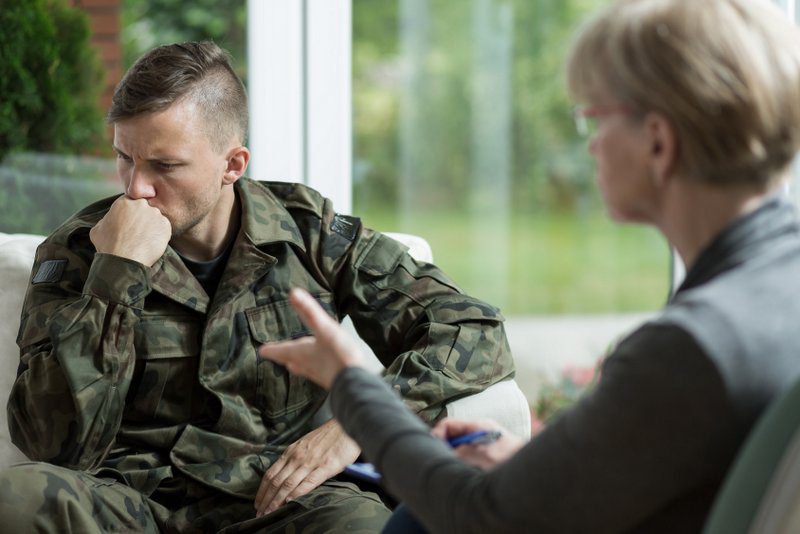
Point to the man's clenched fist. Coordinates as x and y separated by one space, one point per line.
132 229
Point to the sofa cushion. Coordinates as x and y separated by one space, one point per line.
16 258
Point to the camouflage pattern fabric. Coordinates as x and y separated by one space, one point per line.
40 497
133 372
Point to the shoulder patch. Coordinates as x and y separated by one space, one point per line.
346 226
49 271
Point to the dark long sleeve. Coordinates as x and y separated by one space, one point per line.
645 451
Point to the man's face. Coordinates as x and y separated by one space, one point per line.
166 158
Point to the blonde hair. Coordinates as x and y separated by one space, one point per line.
725 73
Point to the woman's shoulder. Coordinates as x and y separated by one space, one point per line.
747 328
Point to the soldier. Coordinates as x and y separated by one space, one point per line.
140 394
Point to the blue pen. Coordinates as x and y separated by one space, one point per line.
367 471
474 438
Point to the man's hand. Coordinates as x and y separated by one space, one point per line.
319 358
307 463
484 456
132 229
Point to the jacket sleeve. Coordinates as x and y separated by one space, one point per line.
76 355
436 343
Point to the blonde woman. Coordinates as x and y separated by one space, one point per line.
697 112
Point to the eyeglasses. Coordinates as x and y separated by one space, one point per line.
584 115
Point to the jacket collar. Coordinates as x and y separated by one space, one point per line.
745 238
264 218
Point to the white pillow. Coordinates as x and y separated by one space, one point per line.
16 259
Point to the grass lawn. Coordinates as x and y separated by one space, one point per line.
543 264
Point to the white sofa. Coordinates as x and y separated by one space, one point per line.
16 258
503 402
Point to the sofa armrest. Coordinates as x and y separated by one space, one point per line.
418 247
17 252
503 402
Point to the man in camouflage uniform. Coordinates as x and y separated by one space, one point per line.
140 393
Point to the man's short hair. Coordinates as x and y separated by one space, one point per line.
197 71
726 73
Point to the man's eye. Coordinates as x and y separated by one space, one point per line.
166 166
123 157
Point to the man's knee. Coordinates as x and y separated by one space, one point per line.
37 496
333 507
24 492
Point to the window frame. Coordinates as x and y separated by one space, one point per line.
300 91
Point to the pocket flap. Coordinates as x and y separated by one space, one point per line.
278 321
453 309
162 337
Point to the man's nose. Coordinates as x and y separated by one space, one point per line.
140 186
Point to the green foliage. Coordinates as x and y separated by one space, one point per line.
544 263
463 134
417 68
436 84
50 79
573 383
555 397
149 23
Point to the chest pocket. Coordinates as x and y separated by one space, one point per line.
279 395
167 355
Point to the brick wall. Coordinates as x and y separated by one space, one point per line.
104 20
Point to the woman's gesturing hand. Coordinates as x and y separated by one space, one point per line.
320 357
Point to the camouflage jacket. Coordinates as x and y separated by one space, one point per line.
135 370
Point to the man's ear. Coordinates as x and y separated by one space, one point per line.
238 158
663 146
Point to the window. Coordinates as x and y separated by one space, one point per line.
463 134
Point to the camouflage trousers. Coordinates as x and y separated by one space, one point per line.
40 497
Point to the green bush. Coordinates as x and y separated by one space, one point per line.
50 79
50 82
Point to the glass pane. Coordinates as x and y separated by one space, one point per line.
463 135
40 190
